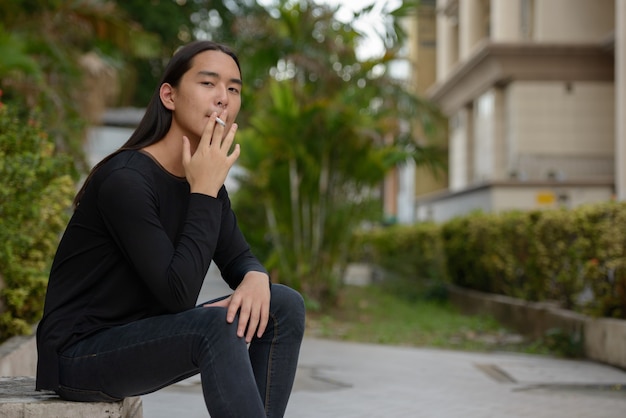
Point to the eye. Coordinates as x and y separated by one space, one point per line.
234 90
207 83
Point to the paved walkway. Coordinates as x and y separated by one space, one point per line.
337 379
345 380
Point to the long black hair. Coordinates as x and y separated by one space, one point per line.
157 119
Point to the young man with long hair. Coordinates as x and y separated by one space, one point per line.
120 316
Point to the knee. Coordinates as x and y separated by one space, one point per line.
288 305
285 298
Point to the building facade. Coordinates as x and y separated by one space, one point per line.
534 93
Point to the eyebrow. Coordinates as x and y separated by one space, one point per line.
214 74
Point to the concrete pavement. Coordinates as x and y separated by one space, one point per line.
341 379
382 381
338 379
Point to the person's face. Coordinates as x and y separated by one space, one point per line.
212 84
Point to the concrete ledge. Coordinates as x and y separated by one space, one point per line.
604 338
18 356
18 399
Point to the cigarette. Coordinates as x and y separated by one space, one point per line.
221 122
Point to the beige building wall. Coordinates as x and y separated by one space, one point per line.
534 98
422 32
499 197
423 58
546 197
561 117
620 99
570 21
562 130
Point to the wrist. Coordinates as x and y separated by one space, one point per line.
257 276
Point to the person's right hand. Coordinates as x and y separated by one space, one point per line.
207 168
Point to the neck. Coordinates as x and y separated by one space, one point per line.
169 153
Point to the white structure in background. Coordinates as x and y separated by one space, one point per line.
406 193
535 95
116 127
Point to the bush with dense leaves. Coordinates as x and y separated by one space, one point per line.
35 196
575 257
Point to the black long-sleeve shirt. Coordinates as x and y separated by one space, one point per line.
139 244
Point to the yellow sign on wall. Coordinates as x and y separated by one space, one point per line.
545 198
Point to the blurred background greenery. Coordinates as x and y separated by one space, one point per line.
322 125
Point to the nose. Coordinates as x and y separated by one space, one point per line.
221 105
222 99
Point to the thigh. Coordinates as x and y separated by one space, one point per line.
142 356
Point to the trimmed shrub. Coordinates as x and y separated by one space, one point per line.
466 243
605 264
412 257
576 258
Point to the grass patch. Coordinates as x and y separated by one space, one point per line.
376 315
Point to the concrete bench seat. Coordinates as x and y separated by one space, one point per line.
18 399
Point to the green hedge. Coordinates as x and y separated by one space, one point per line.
408 251
35 194
574 257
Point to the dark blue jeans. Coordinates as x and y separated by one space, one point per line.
149 354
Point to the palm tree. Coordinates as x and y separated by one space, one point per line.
323 130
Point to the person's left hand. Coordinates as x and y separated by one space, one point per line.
252 300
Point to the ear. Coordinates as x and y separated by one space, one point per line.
167 93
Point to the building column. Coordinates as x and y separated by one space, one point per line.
620 99
470 26
505 20
501 152
445 42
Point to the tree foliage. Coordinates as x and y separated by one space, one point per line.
42 45
322 130
174 23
